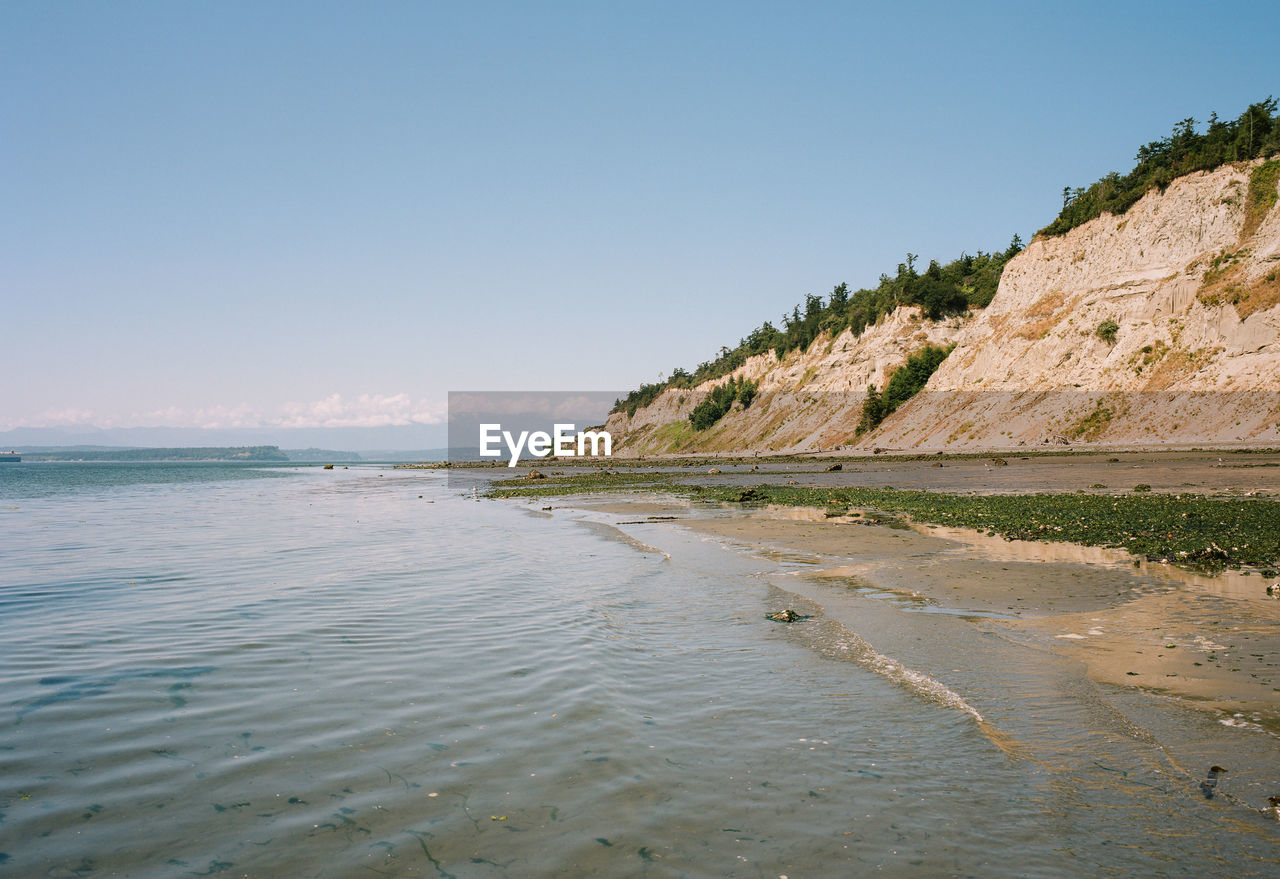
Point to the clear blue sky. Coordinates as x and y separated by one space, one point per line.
220 212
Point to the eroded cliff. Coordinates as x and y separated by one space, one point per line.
1161 326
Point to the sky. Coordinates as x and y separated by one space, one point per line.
280 215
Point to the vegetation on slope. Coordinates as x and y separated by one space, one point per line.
904 383
721 399
1255 134
1224 282
1262 196
971 281
941 290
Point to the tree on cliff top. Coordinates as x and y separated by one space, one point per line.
1255 134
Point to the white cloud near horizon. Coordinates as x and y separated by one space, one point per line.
366 410
70 417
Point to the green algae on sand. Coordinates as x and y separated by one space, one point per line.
1188 530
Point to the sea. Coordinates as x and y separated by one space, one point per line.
274 671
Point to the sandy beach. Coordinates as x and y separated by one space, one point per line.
1181 661
1059 600
1210 641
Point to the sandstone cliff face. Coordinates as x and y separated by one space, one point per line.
810 400
1185 365
1189 277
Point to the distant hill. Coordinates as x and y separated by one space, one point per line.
58 449
361 439
320 455
207 453
403 456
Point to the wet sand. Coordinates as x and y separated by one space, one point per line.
1211 642
1211 473
1228 474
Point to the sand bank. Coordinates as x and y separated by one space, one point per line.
1210 641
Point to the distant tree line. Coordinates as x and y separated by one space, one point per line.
940 290
1256 134
208 453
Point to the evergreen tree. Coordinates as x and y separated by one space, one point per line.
872 411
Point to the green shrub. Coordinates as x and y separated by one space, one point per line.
872 411
720 400
904 383
1107 330
1262 196
638 399
910 377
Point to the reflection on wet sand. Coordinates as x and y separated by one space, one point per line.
1216 653
1208 640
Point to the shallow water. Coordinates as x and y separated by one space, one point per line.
334 673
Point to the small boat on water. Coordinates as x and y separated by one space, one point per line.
10 456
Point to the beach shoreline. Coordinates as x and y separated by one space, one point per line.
1207 640
1203 638
1202 511
1183 661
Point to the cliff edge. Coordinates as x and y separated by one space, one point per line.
1158 327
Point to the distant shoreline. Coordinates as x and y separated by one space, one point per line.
186 454
202 454
74 459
